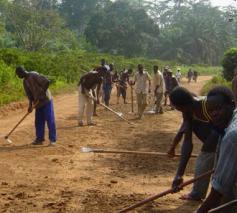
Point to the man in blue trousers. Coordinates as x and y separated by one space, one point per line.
36 89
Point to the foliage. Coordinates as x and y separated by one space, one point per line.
215 81
77 13
65 68
35 28
121 29
229 63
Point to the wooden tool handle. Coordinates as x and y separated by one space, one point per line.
229 204
136 152
23 118
172 190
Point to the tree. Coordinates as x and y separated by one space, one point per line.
121 29
78 12
229 63
35 28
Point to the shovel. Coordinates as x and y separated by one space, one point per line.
89 149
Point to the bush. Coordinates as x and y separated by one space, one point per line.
229 63
65 68
215 81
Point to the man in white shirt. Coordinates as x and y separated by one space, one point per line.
159 87
141 79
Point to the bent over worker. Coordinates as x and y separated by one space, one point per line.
86 86
36 88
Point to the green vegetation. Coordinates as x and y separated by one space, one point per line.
229 63
189 32
215 81
63 39
65 68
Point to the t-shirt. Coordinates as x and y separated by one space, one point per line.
36 88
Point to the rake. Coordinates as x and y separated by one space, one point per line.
89 149
119 114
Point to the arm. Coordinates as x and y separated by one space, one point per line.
29 96
186 151
176 140
149 81
98 91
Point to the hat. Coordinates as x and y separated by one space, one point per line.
169 71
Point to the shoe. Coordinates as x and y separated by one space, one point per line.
37 142
80 123
52 143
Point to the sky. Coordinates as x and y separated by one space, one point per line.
223 3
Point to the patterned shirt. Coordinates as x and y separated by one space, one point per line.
224 179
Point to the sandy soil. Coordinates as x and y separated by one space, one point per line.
62 179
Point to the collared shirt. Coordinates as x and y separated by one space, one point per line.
158 81
141 82
36 88
224 178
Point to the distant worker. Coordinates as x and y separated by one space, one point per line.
190 75
159 89
178 75
195 75
36 88
107 85
123 84
141 79
86 86
170 83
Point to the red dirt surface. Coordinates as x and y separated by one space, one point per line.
62 179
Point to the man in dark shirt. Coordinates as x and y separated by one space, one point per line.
122 85
36 88
223 114
87 84
107 84
195 119
170 83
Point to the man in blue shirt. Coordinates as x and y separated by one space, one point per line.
224 180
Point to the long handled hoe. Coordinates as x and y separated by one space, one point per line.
88 150
19 122
13 129
119 114
171 190
222 207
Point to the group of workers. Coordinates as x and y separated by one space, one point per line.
212 119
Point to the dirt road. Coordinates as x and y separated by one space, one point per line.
61 179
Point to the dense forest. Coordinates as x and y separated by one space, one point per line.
190 32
